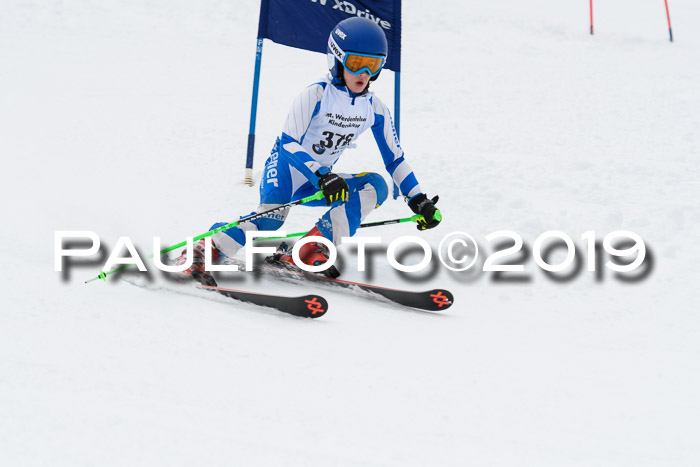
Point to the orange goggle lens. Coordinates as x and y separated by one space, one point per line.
356 64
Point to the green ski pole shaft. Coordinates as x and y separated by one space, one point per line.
318 195
414 218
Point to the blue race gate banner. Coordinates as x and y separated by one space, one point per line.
306 24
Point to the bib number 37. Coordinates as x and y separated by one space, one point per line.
332 141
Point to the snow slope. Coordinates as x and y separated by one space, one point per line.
130 119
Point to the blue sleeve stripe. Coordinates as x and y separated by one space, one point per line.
378 131
408 183
315 112
297 159
391 168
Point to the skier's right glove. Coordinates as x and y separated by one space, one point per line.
334 187
420 204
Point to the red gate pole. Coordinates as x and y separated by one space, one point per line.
668 16
591 4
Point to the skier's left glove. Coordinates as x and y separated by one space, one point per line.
334 187
420 204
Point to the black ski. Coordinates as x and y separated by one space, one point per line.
307 306
431 300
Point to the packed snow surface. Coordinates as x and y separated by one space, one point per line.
130 118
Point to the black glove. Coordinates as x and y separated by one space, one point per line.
334 187
420 204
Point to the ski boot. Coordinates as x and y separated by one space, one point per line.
196 271
311 254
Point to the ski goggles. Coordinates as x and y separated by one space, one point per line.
357 63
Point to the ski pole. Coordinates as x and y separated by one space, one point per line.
414 218
668 16
318 195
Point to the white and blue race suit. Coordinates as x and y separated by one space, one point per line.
324 120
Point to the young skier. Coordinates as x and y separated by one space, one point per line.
324 120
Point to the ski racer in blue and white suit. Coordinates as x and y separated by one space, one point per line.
324 121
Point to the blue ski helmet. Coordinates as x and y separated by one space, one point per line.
357 44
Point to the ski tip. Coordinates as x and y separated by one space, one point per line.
441 299
316 306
